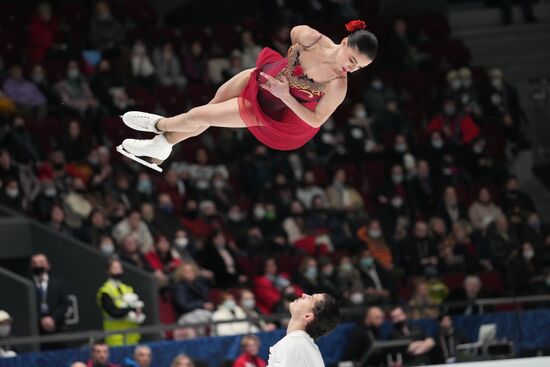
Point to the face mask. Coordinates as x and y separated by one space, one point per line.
400 148
219 184
397 179
361 114
399 325
367 262
449 111
73 73
5 330
38 270
12 193
181 242
357 298
528 254
478 148
290 297
259 212
144 186
311 273
116 276
249 304
535 225
38 78
437 144
229 304
467 83
139 49
167 208
496 83
377 84
50 192
346 268
455 84
547 281
107 248
328 271
375 233
397 202
235 216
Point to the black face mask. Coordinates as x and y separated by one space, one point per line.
38 270
399 325
290 297
116 276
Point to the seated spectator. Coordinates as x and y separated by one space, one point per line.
168 67
235 65
373 238
376 95
515 203
295 224
99 355
103 82
11 195
479 162
219 257
182 360
367 331
142 357
78 364
308 190
469 94
424 188
289 295
222 194
73 143
525 271
120 307
445 350
195 63
534 231
457 128
174 186
483 211
57 220
22 143
76 204
250 347
341 195
378 283
229 310
191 295
106 33
269 285
102 171
24 93
43 33
458 252
143 70
5 333
249 49
247 302
359 134
469 294
129 253
422 305
163 259
502 242
391 120
280 39
327 277
95 228
420 253
348 280
308 276
403 52
450 209
419 351
135 227
200 174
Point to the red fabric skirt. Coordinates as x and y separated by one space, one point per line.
266 116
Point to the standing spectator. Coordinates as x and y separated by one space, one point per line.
250 347
191 295
5 332
106 33
229 310
195 63
51 300
99 355
142 357
43 33
447 341
418 352
24 93
143 70
120 307
363 336
168 67
134 226
483 211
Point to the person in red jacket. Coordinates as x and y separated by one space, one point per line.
456 127
163 259
43 31
250 346
268 287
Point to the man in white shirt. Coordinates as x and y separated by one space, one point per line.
311 317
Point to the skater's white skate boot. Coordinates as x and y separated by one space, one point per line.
157 148
142 121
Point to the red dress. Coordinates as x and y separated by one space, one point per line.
268 118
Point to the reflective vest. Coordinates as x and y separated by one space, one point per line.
111 324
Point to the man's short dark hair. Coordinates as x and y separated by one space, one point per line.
326 315
98 342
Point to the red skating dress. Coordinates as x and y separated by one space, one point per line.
268 118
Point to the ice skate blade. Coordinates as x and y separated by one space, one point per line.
153 166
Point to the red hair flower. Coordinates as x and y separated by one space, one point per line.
297 71
355 25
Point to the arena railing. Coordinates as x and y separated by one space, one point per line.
348 313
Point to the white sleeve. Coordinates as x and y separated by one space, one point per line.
295 354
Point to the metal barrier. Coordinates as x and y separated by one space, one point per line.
159 329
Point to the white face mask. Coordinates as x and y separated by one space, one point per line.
357 298
5 330
107 248
229 304
456 84
375 233
249 304
73 73
12 193
361 114
259 212
528 254
181 242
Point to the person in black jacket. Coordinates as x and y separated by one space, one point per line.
51 298
447 340
419 350
362 337
379 283
219 258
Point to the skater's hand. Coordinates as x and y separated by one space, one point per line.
279 88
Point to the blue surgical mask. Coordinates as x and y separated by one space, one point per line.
311 273
249 304
367 262
230 304
144 186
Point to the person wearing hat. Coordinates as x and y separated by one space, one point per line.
5 332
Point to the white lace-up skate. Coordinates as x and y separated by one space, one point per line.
142 121
157 148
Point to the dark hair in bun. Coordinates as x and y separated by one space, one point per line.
365 42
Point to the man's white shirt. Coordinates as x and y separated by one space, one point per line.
297 348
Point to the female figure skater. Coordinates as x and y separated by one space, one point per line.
283 101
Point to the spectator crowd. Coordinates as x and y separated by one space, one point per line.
405 187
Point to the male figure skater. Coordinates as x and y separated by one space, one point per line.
311 317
